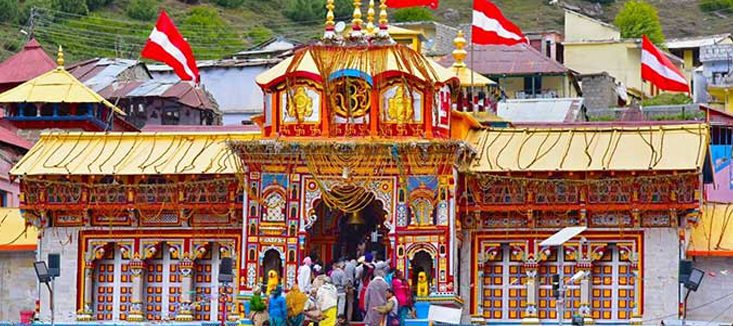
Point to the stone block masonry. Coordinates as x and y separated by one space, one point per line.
18 284
63 241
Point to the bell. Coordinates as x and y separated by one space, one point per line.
355 218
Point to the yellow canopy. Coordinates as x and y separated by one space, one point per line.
132 154
14 235
359 60
713 235
55 86
464 74
590 148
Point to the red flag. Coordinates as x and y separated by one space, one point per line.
432 4
659 70
491 27
165 44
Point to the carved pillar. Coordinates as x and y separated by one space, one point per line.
86 313
585 290
636 315
137 267
530 313
185 267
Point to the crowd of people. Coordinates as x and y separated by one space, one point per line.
364 289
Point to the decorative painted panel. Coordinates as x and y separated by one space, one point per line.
401 104
301 104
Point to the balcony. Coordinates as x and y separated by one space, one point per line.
90 117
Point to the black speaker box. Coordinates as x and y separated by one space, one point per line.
685 270
54 265
225 270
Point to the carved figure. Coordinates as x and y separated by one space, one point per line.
272 281
423 286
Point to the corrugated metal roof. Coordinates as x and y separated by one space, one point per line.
27 64
14 234
695 41
661 148
520 59
712 235
142 153
540 110
179 91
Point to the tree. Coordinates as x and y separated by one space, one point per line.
638 18
9 11
25 9
209 35
229 3
715 5
94 4
414 14
259 34
144 10
78 7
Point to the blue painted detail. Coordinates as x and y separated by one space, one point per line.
721 155
421 309
413 182
246 308
99 123
269 178
352 73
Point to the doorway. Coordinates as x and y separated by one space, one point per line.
337 234
271 261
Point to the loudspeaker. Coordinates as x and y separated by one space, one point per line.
54 265
225 270
685 270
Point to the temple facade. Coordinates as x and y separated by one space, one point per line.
362 149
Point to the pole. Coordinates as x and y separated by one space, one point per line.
472 72
684 308
223 298
561 303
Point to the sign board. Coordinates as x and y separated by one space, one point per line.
562 236
445 315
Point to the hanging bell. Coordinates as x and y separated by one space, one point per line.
355 218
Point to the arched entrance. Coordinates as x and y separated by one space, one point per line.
271 261
351 232
421 262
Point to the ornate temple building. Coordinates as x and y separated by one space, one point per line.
362 149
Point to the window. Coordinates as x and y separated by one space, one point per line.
171 116
533 85
4 198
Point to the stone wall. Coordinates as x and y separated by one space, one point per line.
64 241
715 294
661 264
18 284
599 91
464 272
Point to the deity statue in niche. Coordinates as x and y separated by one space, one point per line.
274 207
300 105
400 106
272 281
422 212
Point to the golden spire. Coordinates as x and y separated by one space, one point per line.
370 18
383 20
330 16
60 57
356 21
459 54
330 25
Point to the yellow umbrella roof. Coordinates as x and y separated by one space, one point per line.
137 153
711 235
590 148
372 61
55 86
464 74
14 234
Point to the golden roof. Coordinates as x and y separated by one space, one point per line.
712 235
55 86
303 63
467 76
14 234
590 148
144 153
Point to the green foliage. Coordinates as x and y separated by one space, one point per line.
78 7
668 99
315 11
603 2
715 5
25 9
144 10
210 36
229 3
259 34
9 11
638 18
414 14
95 4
